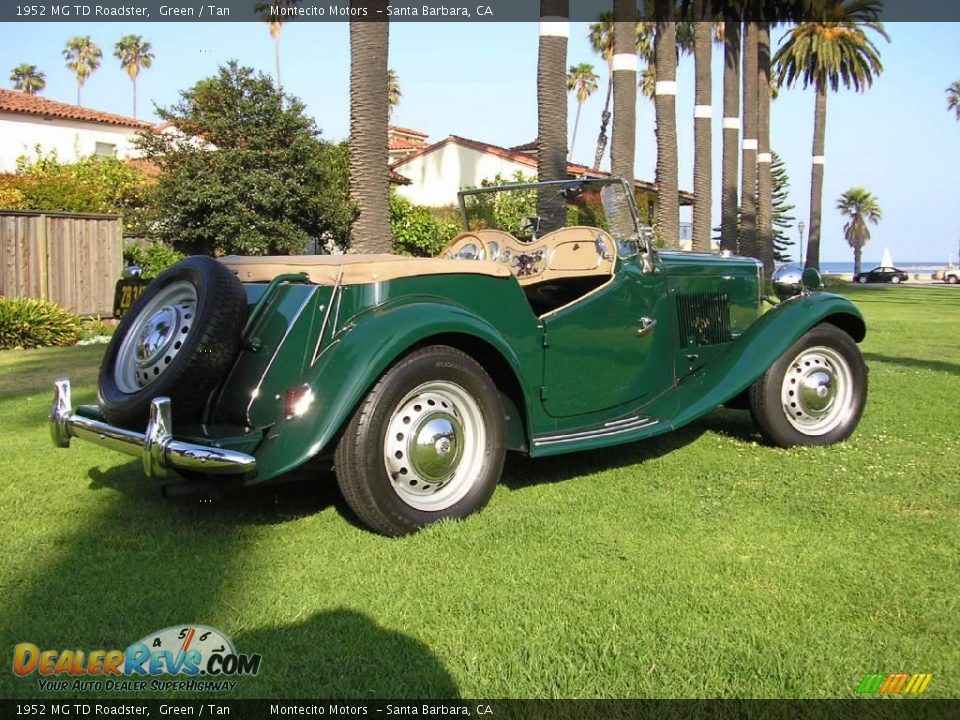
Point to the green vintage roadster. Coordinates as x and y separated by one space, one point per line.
550 325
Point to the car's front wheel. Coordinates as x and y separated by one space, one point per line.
897 279
815 393
952 279
862 279
426 443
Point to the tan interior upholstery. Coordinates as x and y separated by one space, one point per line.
354 269
576 251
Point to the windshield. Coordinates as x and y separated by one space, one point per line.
529 210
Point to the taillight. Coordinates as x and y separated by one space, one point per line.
299 400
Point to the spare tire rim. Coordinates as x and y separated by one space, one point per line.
156 337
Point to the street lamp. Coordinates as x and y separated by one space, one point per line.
801 226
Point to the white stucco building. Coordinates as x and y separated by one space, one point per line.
72 131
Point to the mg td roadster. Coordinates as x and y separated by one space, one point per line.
549 325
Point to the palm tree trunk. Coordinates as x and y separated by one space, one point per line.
857 253
665 50
134 81
552 109
731 136
702 140
624 65
816 178
78 92
604 120
276 59
764 156
369 179
576 124
748 177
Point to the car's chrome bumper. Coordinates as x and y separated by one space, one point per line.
155 447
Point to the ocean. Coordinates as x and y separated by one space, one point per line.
847 267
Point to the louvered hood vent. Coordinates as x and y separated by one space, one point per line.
704 318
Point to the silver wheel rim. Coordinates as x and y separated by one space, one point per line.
434 445
156 337
817 392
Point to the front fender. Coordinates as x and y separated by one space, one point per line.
353 361
753 352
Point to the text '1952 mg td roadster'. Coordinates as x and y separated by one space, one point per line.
550 325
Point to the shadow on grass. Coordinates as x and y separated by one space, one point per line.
522 471
344 654
935 365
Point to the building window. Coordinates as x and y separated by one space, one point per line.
105 149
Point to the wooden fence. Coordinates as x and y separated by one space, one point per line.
72 259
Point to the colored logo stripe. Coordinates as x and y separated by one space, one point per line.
894 683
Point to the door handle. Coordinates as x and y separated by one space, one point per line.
646 325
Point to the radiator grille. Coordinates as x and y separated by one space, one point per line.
704 318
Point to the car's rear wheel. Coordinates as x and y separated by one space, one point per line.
862 279
177 340
815 393
426 443
952 279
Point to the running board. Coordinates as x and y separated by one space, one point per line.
614 432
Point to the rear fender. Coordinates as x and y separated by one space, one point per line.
753 353
356 357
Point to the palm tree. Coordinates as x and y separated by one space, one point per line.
764 156
624 66
394 93
702 121
953 97
825 54
861 207
665 53
748 173
269 11
601 41
28 79
552 108
729 207
369 110
83 57
133 54
583 80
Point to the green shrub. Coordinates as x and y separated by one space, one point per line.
152 259
30 323
416 230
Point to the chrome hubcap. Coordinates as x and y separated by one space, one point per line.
433 447
156 336
817 391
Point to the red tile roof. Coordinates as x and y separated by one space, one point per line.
526 147
530 160
397 143
406 131
398 179
18 102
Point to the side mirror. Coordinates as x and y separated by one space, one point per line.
648 266
811 279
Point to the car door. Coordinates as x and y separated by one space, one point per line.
610 348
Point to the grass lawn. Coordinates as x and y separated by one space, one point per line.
702 564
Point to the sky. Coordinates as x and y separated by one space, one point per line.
479 81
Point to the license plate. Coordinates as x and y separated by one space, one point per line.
126 293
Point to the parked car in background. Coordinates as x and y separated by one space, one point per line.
951 275
542 334
882 274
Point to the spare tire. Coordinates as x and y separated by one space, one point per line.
178 340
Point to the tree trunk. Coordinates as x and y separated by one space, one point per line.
134 81
624 65
552 110
702 140
816 178
604 120
731 136
764 157
668 208
576 124
369 176
857 253
748 177
78 92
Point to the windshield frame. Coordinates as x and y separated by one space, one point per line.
643 239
